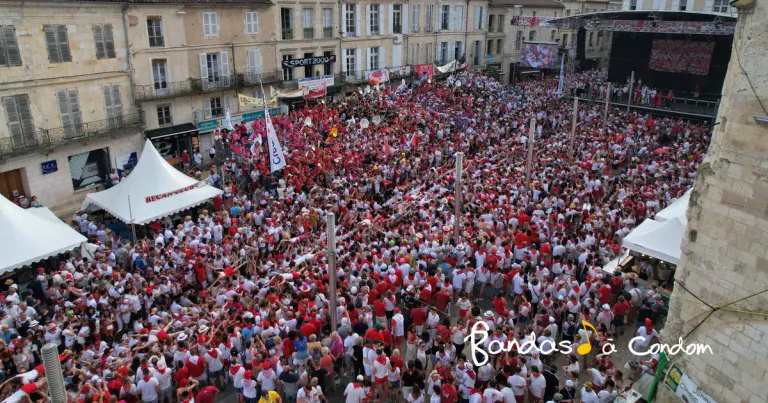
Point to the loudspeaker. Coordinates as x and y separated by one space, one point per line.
581 38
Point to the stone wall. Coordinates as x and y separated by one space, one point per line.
725 250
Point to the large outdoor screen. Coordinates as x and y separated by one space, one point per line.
675 56
539 55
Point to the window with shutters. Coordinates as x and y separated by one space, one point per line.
428 53
113 105
349 68
155 32
429 14
373 19
445 17
720 6
490 22
374 60
500 25
482 17
210 24
327 23
306 22
57 43
164 115
443 53
308 67
518 39
286 23
328 67
415 17
214 107
105 42
21 127
251 23
9 48
160 76
459 18
397 19
350 20
498 46
214 70
287 71
254 66
478 51
69 110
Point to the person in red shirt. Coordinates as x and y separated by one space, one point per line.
426 296
207 395
604 294
499 305
442 300
448 392
418 315
380 310
619 313
307 328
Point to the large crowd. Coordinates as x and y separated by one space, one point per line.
235 294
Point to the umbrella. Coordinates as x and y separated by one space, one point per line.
660 151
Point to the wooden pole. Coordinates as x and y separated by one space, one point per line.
457 198
330 226
574 119
631 84
529 161
605 111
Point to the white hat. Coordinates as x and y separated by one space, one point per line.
488 314
360 378
606 307
551 319
181 337
569 383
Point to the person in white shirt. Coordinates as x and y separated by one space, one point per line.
164 377
537 384
267 377
355 393
588 395
311 393
149 387
215 367
518 384
492 394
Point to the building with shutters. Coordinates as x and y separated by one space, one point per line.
66 113
190 60
707 6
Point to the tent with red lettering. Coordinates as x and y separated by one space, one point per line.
153 190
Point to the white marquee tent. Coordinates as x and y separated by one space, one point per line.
658 239
156 189
31 235
676 210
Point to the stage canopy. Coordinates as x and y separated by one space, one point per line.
657 239
676 210
155 188
31 235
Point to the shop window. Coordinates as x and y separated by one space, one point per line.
89 168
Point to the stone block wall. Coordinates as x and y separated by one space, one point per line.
725 249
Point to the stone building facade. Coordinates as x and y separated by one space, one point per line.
67 113
725 249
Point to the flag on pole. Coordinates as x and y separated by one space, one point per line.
228 122
276 157
414 140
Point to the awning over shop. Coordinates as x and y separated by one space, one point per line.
184 128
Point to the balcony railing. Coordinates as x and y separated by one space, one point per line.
46 138
353 76
216 83
287 34
327 32
309 33
253 79
191 86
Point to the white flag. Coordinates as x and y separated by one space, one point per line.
276 157
228 122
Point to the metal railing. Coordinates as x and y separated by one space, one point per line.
327 32
45 138
253 79
216 83
287 34
353 77
309 33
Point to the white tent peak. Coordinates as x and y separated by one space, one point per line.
155 188
31 235
658 239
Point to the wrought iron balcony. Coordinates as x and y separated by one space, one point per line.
353 77
48 138
253 79
191 86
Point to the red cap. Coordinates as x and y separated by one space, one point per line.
648 322
248 374
265 365
29 388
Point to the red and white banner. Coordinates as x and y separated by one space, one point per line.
317 92
377 76
154 198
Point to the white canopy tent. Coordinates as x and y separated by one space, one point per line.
658 239
31 235
155 190
676 210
